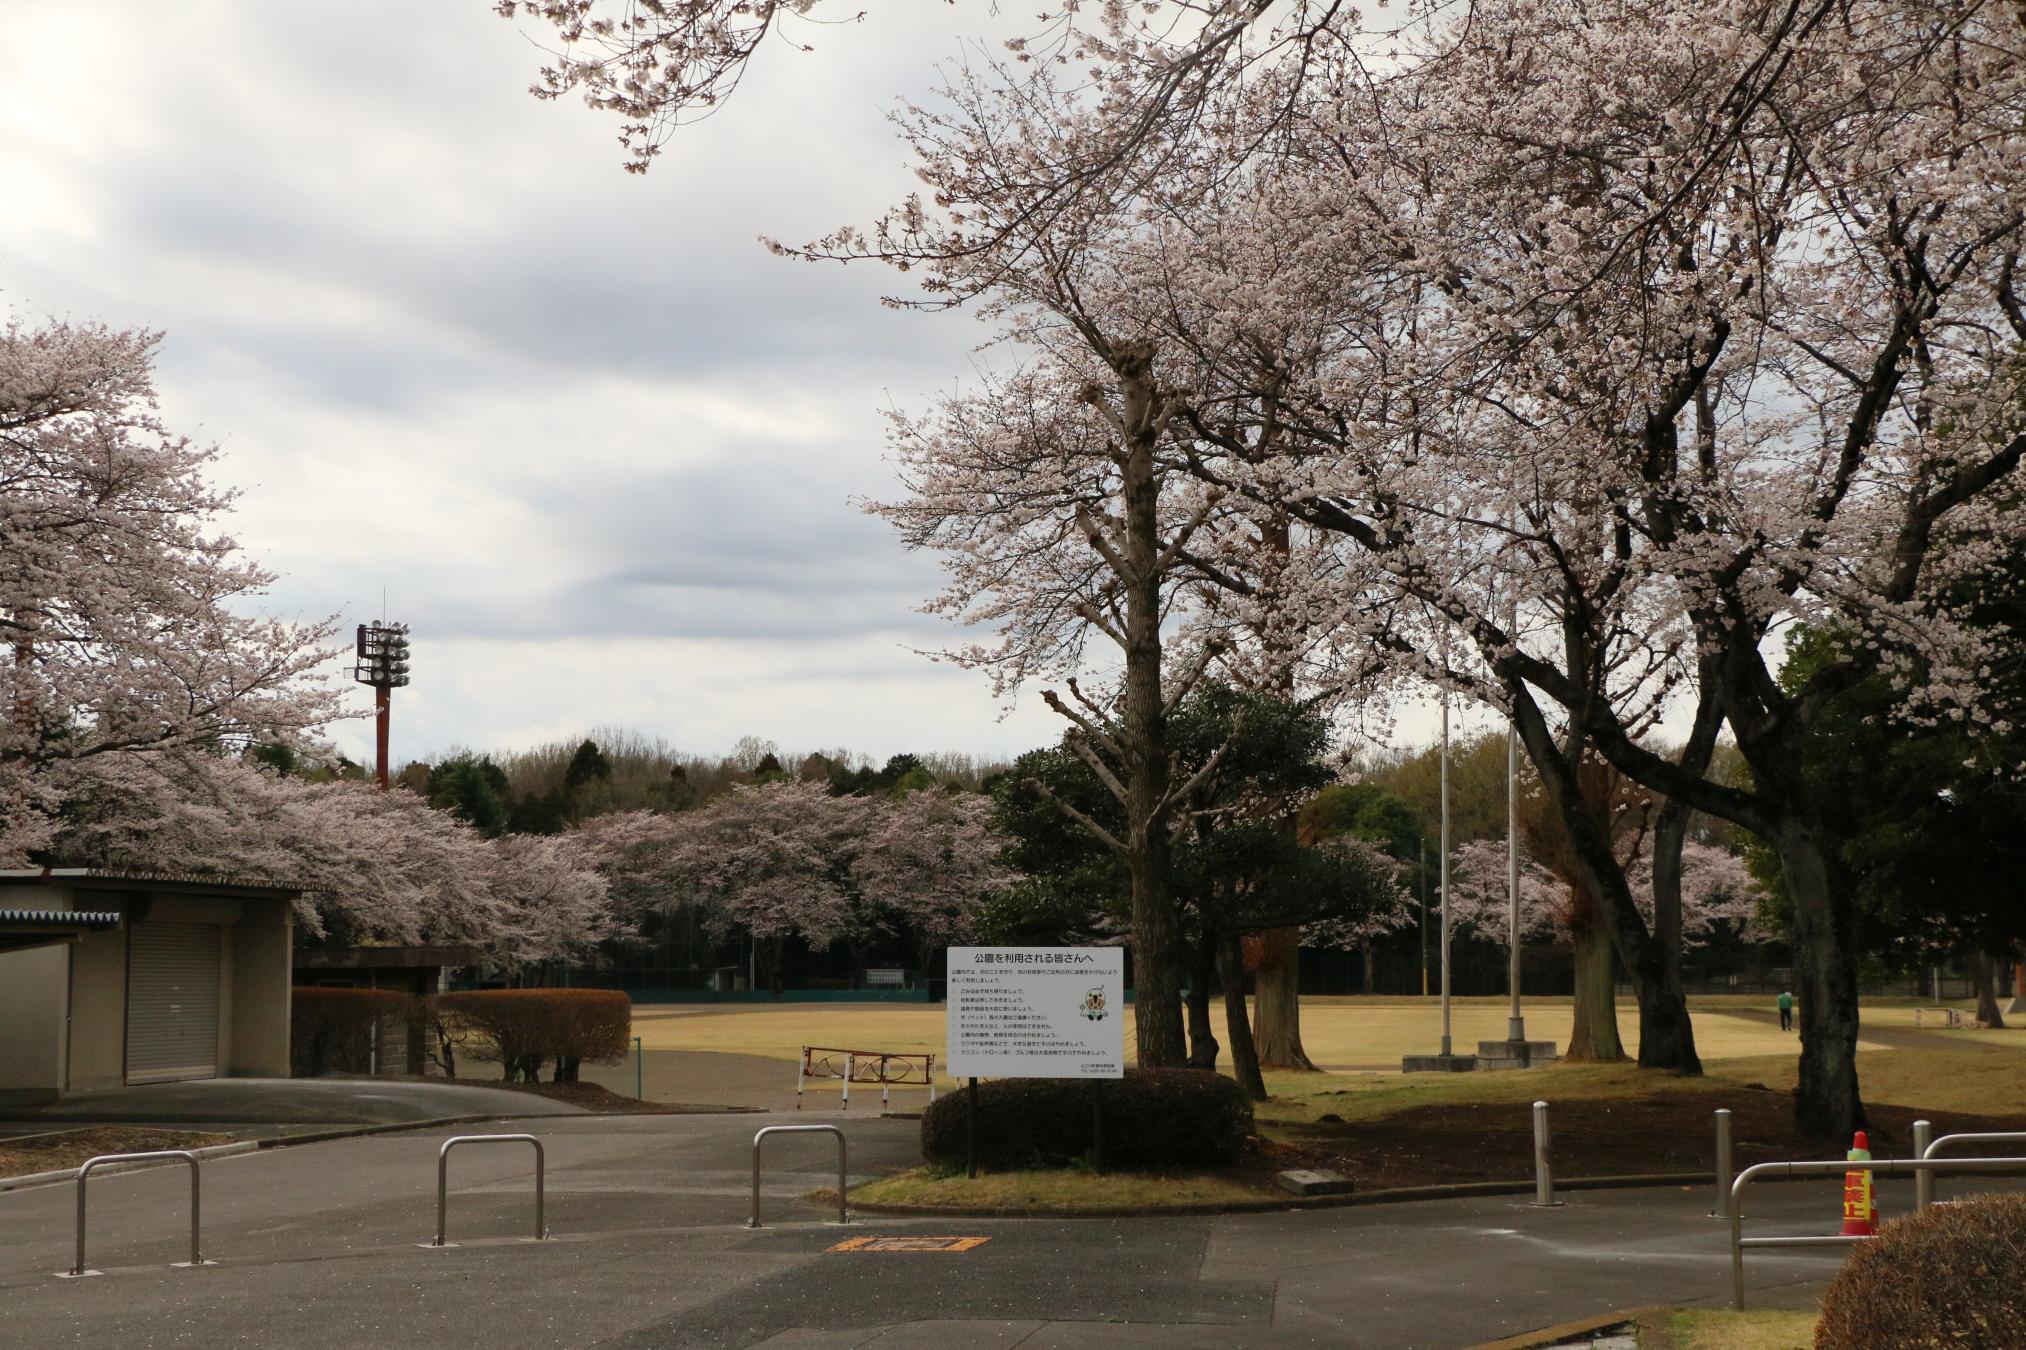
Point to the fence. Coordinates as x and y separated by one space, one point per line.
1892 1167
865 1066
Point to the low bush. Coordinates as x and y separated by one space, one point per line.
522 1028
1949 1278
1154 1119
334 1030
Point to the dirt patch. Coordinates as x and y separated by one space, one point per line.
68 1148
1461 1142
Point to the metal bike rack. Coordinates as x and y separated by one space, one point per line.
443 1180
1924 1184
842 1150
1892 1167
78 1269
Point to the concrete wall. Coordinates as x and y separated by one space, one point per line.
259 957
98 1007
34 986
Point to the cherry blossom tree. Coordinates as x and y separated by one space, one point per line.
380 865
788 859
933 859
123 615
1751 303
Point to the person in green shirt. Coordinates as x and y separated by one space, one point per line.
1786 1002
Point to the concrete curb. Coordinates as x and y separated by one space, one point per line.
62 1174
1394 1196
397 1126
1532 1340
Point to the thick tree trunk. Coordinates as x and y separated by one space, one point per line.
1594 1036
1276 1000
1244 1058
1984 975
1666 1036
1157 930
1203 1045
1827 1105
1371 969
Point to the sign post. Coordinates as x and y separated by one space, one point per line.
1036 1012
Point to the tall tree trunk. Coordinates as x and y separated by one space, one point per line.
1666 1036
1371 968
1984 975
775 969
1244 1058
1157 931
1203 1045
1594 1036
1276 999
1827 1105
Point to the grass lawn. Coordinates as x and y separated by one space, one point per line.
1747 1058
1061 1191
1342 1034
1707 1329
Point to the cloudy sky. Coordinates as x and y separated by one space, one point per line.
596 444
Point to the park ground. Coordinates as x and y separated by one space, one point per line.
316 1243
1362 1117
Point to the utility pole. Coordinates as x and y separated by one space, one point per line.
1445 872
1516 1024
1424 918
383 664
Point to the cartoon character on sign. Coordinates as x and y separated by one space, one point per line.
1093 1005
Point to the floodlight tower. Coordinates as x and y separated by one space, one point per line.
382 663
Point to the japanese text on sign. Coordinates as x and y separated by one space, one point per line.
1037 1012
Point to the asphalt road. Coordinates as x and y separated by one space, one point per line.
317 1246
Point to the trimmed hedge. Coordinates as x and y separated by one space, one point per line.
332 1030
1949 1278
521 1028
1153 1119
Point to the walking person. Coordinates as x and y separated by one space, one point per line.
1786 1002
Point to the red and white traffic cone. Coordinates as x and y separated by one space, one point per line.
1860 1207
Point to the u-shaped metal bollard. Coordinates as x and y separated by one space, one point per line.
78 1269
842 1153
443 1180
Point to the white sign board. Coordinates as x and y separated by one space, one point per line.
1037 1012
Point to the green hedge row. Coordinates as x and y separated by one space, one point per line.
1153 1119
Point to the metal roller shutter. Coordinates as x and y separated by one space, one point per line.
173 975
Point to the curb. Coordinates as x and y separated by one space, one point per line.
397 1126
1393 1196
1532 1340
62 1174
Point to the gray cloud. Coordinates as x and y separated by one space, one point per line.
598 445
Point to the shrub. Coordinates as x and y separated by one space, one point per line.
1949 1278
521 1028
1153 1119
333 1030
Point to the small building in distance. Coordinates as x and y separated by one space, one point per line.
115 978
